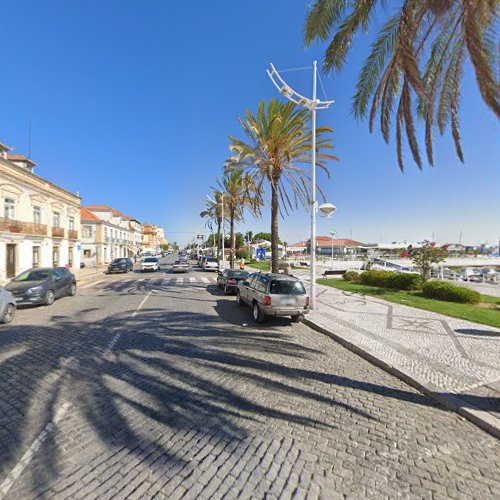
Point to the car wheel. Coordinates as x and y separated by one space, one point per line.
239 299
49 298
72 290
225 290
258 316
297 318
9 314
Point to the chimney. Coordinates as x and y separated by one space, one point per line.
4 151
21 161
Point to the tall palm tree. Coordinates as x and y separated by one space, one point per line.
213 215
420 50
279 142
239 193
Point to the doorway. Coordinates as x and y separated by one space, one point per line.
11 261
55 257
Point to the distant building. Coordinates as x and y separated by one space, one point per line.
39 221
153 238
325 244
108 234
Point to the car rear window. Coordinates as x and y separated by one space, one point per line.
211 259
151 259
237 274
287 287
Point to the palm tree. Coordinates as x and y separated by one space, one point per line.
420 50
213 215
239 193
279 141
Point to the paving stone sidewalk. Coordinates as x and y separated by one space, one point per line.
455 361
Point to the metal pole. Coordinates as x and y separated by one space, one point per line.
223 236
332 251
313 200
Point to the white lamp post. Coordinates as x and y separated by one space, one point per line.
313 105
333 233
222 217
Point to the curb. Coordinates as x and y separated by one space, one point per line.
450 401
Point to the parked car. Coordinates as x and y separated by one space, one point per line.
7 306
229 278
210 264
121 265
273 295
180 266
201 259
42 285
150 264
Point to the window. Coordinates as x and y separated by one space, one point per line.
86 254
70 256
56 219
71 223
87 232
9 208
37 215
55 256
36 256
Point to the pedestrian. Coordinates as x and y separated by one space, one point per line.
288 268
242 264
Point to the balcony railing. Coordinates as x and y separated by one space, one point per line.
58 232
17 226
72 234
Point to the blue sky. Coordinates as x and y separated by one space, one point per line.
131 103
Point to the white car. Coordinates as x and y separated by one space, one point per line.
150 264
180 266
210 264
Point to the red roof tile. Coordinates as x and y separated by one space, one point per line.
86 214
18 157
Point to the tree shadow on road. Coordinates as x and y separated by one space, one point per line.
167 372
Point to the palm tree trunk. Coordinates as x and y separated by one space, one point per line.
232 240
274 229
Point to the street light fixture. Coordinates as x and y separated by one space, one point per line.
222 217
313 105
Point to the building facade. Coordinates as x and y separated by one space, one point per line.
153 238
39 221
108 234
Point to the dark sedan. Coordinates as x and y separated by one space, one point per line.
42 285
121 265
229 278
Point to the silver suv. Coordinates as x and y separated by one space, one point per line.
273 295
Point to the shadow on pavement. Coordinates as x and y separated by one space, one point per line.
182 370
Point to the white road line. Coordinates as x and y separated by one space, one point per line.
179 281
205 280
30 452
192 280
140 305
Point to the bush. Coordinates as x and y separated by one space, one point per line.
389 279
405 281
376 278
351 276
445 291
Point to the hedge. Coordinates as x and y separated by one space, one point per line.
389 279
351 276
445 291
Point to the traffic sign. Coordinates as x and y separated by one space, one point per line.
260 253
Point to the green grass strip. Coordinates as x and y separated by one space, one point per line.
486 313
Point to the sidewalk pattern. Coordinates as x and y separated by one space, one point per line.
445 354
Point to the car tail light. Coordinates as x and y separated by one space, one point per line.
232 282
307 301
267 300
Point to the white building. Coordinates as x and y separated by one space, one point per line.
39 221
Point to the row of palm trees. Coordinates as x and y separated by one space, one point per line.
269 165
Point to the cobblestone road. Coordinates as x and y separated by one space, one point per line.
152 389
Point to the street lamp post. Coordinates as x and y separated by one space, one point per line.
222 217
333 233
313 105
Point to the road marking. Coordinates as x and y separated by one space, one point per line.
205 280
179 280
192 280
140 305
30 452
